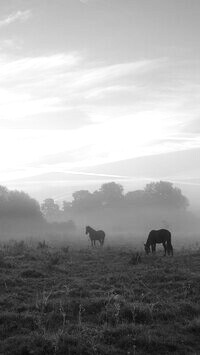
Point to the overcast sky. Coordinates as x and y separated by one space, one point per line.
89 82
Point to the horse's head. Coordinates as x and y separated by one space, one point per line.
147 248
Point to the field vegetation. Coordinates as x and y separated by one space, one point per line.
64 300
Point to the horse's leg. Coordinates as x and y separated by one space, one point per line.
165 248
170 249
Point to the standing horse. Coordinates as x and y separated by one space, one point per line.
95 235
156 237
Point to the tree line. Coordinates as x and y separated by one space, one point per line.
160 194
109 206
15 203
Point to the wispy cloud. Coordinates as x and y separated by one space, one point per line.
61 82
36 65
107 73
63 105
103 91
20 16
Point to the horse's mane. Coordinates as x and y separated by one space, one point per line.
91 229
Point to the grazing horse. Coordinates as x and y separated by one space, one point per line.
95 235
156 237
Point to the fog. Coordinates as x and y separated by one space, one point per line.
126 218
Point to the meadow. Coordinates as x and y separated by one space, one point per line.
65 301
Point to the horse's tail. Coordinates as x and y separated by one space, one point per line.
169 245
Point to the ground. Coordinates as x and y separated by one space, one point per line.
98 301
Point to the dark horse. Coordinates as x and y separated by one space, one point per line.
95 235
156 237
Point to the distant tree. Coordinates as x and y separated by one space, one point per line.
82 200
165 194
66 207
66 210
97 199
111 193
81 195
162 188
50 209
21 204
135 198
15 204
4 201
4 192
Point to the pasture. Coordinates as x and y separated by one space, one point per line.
95 301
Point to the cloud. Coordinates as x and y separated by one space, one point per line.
32 66
107 73
33 86
58 84
109 90
90 113
20 16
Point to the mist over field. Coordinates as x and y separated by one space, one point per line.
126 217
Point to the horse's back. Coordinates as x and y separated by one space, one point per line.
101 233
164 233
160 236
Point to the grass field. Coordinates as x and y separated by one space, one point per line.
95 301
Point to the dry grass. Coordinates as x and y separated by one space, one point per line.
61 301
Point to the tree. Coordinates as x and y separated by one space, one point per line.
81 195
111 193
162 188
21 204
18 204
135 198
163 193
82 200
67 206
50 209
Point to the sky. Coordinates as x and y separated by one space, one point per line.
85 83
